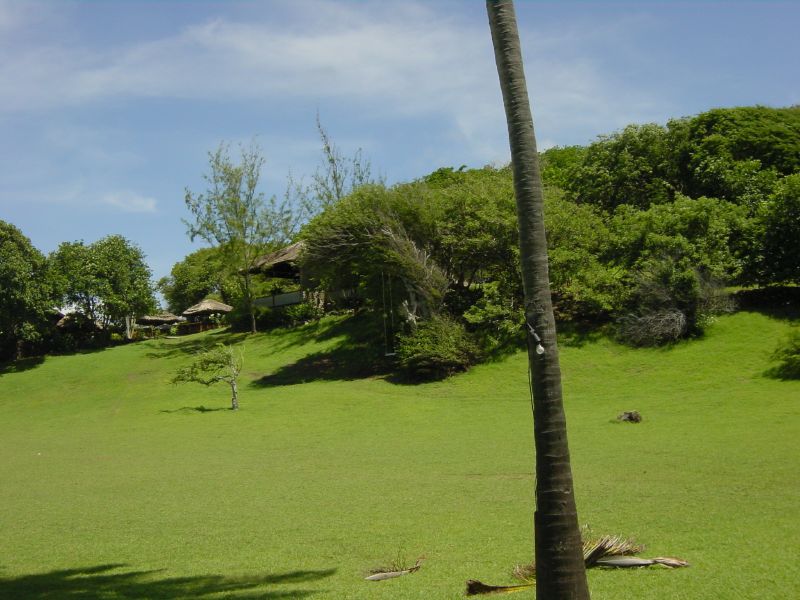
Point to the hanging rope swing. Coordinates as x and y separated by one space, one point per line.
388 319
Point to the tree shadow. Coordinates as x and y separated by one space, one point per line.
112 581
355 356
200 409
343 363
777 302
354 327
786 371
193 345
577 335
20 365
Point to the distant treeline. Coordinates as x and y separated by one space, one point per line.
646 227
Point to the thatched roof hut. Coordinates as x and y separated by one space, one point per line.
207 307
281 263
162 318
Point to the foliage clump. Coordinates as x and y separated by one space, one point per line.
221 364
26 294
787 357
436 348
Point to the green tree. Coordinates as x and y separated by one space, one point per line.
236 217
25 292
221 364
368 237
128 288
560 570
559 164
633 166
201 274
108 281
776 253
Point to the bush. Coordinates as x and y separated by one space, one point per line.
653 328
671 301
297 314
787 355
496 320
436 348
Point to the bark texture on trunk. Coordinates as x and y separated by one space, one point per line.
560 570
234 395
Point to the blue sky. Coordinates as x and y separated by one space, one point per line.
108 108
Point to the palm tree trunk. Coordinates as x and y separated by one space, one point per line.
560 571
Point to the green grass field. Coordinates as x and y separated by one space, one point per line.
116 484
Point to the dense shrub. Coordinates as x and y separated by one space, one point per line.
671 300
775 256
787 357
496 319
436 348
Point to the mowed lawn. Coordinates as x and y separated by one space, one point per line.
116 484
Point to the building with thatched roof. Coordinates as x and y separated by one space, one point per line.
206 308
281 263
162 318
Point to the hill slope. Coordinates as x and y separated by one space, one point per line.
116 484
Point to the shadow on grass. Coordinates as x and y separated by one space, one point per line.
784 372
578 335
23 364
187 409
777 302
112 581
193 345
343 363
355 356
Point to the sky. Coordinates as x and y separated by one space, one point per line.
108 108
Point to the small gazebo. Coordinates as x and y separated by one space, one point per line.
158 322
202 312
162 318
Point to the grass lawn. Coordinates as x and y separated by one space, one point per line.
116 484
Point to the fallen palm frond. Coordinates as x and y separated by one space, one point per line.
395 570
475 587
609 551
608 545
634 561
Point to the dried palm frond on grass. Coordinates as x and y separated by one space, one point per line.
395 569
608 545
609 551
475 587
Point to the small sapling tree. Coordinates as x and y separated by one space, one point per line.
221 364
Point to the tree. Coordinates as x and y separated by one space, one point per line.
200 274
128 289
776 256
633 166
335 179
221 364
560 570
25 292
236 217
108 281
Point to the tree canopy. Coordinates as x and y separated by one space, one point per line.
107 281
236 217
26 293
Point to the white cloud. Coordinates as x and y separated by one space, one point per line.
399 60
130 202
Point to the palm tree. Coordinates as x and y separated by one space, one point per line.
560 571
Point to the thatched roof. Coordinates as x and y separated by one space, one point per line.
161 318
285 257
207 307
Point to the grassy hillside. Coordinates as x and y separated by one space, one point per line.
116 484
